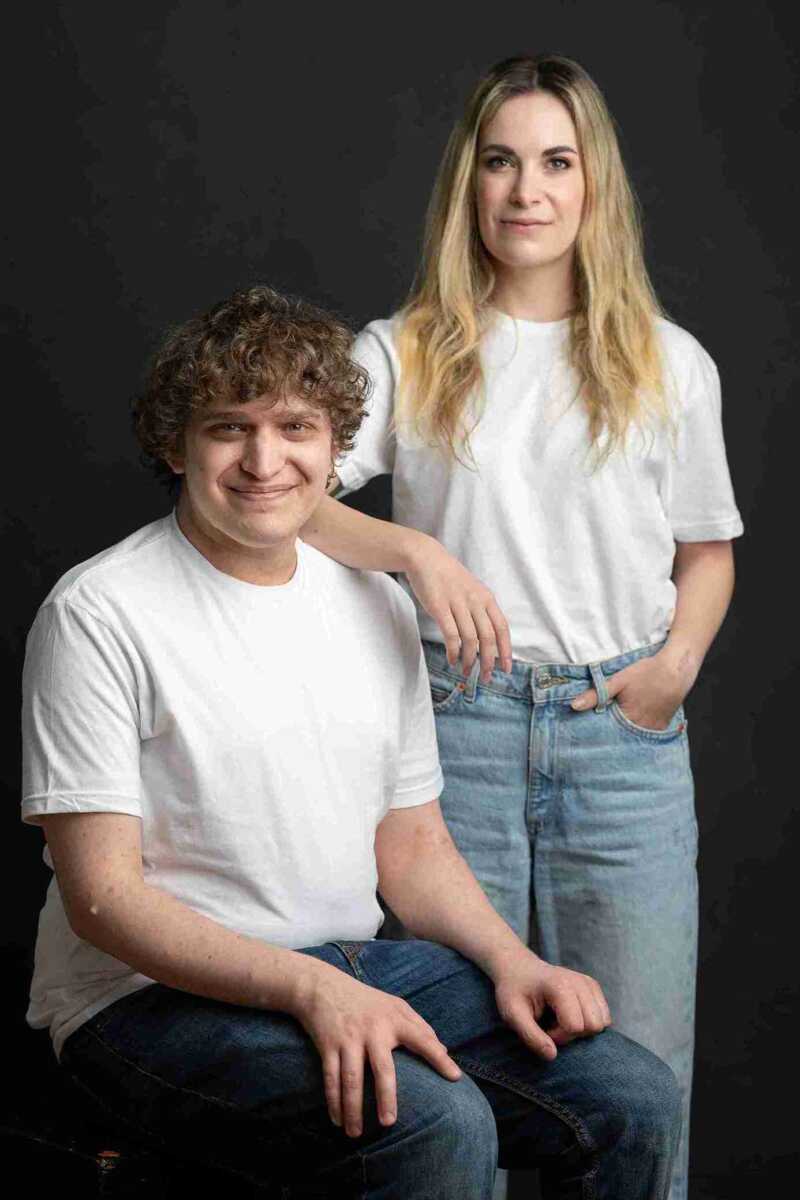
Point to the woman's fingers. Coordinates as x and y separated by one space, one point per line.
502 634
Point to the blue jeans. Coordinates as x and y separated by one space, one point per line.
582 824
242 1089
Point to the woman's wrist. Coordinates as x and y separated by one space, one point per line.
416 549
682 659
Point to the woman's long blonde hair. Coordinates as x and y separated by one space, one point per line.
613 347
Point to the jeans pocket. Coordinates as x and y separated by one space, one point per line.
676 728
445 689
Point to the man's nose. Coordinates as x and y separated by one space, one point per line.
263 455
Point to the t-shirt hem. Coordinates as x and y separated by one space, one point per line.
717 531
135 983
36 807
413 797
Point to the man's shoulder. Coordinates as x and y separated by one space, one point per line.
374 588
112 568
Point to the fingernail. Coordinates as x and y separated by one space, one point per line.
389 1117
578 704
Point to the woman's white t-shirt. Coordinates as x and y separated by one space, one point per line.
578 557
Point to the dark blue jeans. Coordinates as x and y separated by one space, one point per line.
242 1089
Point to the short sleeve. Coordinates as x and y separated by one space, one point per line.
700 503
419 776
373 453
80 724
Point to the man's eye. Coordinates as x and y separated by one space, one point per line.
296 427
227 427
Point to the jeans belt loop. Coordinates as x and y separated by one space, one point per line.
599 684
471 684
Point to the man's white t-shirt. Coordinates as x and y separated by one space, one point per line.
260 733
579 558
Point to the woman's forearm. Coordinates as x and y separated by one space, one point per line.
356 540
703 576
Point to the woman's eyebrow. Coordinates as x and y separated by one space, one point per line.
500 149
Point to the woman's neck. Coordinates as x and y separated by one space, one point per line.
538 294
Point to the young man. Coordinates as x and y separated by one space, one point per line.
229 743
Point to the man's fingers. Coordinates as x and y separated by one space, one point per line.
425 1043
569 1015
331 1077
383 1072
520 1017
584 700
352 1075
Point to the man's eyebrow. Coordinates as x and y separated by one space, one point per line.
500 149
291 412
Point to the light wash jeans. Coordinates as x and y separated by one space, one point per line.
242 1089
583 823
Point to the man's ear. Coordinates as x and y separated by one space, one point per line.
176 463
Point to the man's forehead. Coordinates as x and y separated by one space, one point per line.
263 406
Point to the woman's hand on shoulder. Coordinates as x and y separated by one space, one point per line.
464 608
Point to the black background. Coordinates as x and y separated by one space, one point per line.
159 155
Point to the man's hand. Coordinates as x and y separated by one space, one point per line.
463 608
649 691
351 1023
526 988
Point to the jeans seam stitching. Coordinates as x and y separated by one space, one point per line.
582 1135
585 1139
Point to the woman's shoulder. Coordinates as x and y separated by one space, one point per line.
683 353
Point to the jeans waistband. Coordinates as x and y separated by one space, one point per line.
540 681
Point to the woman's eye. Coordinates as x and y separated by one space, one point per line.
496 161
559 164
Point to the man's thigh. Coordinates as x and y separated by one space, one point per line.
543 1110
242 1089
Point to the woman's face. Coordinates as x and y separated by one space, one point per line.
529 183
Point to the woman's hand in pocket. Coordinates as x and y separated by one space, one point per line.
649 691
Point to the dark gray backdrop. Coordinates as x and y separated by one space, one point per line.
158 155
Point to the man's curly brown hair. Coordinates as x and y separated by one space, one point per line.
257 342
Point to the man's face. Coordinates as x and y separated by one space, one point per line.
254 473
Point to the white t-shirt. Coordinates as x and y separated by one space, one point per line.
260 733
578 559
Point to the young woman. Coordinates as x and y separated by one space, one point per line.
547 428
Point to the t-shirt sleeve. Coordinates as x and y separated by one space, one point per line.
419 777
700 503
80 722
373 453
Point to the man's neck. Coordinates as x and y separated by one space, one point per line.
266 566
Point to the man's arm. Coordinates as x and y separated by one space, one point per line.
431 889
463 607
98 864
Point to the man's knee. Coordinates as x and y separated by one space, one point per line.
452 1125
643 1097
